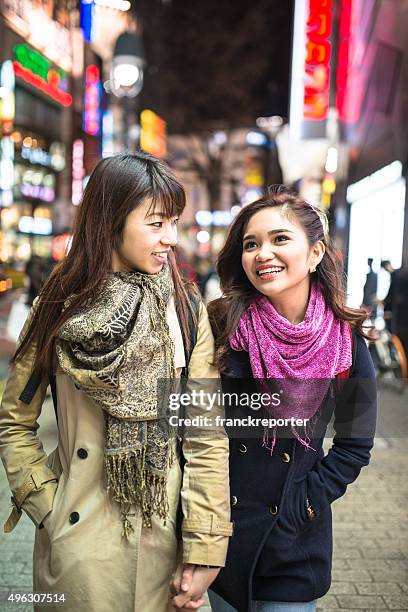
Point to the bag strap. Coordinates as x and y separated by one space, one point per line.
195 302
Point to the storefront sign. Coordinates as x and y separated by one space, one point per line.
352 71
78 171
33 24
54 158
311 68
92 113
35 225
38 192
107 134
35 69
6 171
35 183
86 8
153 133
7 100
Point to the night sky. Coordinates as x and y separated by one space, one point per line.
216 64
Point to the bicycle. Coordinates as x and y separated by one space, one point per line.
389 357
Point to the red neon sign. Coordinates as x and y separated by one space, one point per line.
92 100
49 87
317 63
351 75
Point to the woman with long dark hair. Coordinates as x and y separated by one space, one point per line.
113 330
284 335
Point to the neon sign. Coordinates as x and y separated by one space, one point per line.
35 69
33 22
152 133
78 171
39 192
86 18
317 64
92 118
311 65
7 101
352 72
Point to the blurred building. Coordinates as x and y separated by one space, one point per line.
222 171
346 143
52 105
37 63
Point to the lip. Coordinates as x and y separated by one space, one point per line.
270 275
161 257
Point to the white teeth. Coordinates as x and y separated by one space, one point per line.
274 270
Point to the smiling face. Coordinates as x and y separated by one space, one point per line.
148 236
276 256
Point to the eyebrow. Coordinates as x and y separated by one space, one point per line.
156 214
271 232
160 214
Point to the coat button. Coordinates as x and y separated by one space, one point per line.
73 518
273 510
234 500
242 448
286 458
82 453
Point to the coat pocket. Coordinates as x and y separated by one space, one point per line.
294 517
54 463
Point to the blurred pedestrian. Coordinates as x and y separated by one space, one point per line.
212 289
204 269
393 299
370 290
283 323
112 320
384 279
34 272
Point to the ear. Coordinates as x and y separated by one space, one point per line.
316 253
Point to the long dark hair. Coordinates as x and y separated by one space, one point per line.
238 291
116 186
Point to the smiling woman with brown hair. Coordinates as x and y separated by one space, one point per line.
113 320
282 325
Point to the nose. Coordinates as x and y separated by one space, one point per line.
265 253
169 238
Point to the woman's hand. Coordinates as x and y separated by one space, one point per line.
189 584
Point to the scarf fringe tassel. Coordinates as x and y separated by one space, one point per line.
131 482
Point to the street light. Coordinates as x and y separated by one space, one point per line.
127 66
126 80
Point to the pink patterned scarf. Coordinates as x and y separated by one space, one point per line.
307 355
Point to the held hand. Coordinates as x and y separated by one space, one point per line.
190 583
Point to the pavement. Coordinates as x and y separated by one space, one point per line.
370 563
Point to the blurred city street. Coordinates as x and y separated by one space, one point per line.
203 112
370 566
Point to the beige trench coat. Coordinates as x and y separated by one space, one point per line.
80 551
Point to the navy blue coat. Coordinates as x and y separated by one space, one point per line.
277 553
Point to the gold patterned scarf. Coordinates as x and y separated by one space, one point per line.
119 352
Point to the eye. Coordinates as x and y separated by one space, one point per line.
281 238
157 224
249 245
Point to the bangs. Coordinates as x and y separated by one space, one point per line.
167 194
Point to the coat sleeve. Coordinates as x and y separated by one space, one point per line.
354 425
206 525
31 481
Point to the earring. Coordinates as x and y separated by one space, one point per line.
313 269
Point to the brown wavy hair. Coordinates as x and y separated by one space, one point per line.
116 186
238 291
